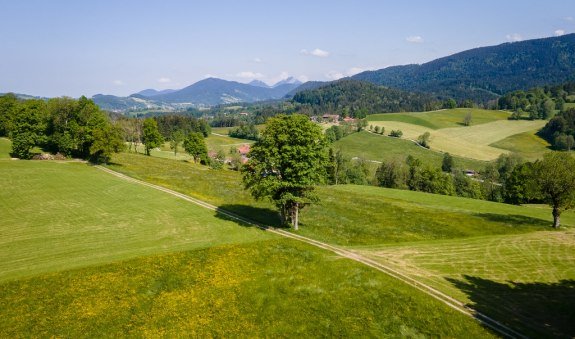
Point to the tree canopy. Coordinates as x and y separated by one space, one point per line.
286 162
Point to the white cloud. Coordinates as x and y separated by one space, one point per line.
569 18
118 82
559 32
414 39
303 78
316 52
258 60
206 76
164 80
514 37
334 75
249 75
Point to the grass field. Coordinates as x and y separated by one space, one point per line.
449 135
85 254
443 118
349 215
528 145
527 281
371 146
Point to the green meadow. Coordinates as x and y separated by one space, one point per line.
86 254
448 134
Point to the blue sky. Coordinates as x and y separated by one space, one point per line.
73 48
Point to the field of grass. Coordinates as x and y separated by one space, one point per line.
443 118
570 105
216 143
447 133
526 281
371 146
60 215
528 145
349 215
262 289
86 254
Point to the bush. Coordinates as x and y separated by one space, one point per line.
396 133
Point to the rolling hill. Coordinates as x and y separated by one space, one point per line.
485 73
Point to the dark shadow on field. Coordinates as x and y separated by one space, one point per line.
533 309
514 219
262 216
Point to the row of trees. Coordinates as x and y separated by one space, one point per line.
538 102
74 128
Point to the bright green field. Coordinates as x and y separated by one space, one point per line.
85 254
349 215
528 145
382 148
447 133
527 281
60 215
443 118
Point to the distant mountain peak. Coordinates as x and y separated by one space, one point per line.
152 92
258 83
288 81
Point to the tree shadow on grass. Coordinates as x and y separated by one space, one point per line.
513 219
534 309
244 214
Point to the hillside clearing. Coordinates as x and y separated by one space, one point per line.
471 141
443 118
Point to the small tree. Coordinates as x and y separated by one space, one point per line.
467 119
175 140
396 133
195 146
376 129
423 139
447 163
151 137
554 180
285 164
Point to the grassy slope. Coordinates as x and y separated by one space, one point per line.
195 273
58 215
526 281
448 134
528 145
443 118
263 289
382 148
349 215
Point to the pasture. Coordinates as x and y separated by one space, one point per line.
376 147
475 141
84 254
526 281
528 145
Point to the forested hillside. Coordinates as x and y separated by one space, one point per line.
482 74
357 99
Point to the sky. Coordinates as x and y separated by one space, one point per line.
73 48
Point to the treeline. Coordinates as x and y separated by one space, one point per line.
73 128
538 102
560 130
505 180
245 131
168 124
357 99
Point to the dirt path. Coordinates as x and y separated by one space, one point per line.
449 301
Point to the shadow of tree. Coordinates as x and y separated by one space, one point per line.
535 309
514 219
264 216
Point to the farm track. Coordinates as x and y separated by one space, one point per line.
427 289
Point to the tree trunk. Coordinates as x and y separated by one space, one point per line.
556 216
296 216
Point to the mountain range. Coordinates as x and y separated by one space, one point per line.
485 73
207 92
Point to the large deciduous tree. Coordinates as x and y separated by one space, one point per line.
151 137
554 179
29 128
285 164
